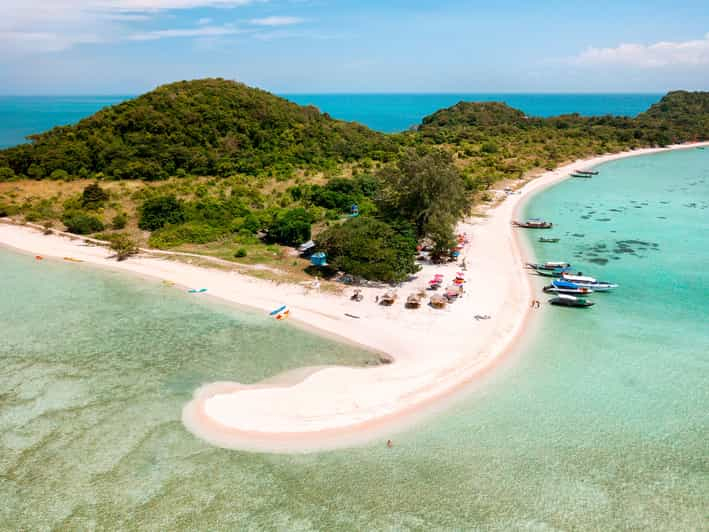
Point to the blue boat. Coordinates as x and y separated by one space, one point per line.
559 286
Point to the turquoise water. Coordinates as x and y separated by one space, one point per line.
24 115
601 423
398 112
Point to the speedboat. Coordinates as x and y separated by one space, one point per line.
565 287
564 300
589 282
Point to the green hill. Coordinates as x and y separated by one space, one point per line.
475 114
202 127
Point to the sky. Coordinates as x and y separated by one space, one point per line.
348 46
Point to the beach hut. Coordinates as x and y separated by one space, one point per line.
388 298
318 259
453 292
414 300
438 301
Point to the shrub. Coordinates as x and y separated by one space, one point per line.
369 248
160 211
93 196
81 223
119 221
489 147
240 253
191 232
6 173
291 228
59 175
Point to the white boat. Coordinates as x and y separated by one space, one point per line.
589 282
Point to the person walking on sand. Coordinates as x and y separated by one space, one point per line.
390 444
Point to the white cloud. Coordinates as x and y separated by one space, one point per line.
29 26
204 21
276 21
657 55
204 31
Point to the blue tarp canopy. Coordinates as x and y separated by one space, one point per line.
564 284
318 259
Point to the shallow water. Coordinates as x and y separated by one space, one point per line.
601 423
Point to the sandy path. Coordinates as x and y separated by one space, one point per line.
435 351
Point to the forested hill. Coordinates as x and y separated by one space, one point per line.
201 127
679 116
685 114
475 114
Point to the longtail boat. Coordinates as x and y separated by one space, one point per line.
550 265
565 300
533 223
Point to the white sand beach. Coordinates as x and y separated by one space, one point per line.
434 352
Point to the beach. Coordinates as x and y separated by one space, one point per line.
434 352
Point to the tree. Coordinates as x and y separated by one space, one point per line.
123 246
369 248
291 228
425 189
159 211
93 196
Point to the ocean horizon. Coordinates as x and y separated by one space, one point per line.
25 115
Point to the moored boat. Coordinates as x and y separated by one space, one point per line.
589 282
534 223
550 273
565 300
584 176
587 172
564 287
549 265
549 240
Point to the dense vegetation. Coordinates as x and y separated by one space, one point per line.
370 248
204 127
217 167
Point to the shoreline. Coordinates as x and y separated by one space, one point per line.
435 353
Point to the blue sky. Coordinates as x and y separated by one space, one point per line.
287 46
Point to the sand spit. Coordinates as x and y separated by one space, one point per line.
435 352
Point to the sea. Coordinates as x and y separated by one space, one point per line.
598 420
21 116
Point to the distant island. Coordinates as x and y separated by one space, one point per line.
218 168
